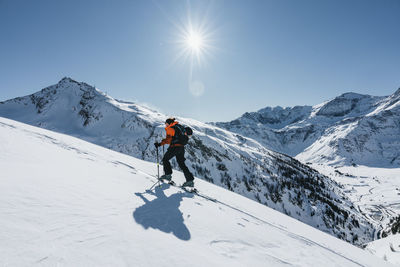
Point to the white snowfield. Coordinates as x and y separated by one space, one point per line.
387 248
66 202
375 192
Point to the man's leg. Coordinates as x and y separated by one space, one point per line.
167 156
180 158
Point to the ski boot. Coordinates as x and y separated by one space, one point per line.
188 184
166 177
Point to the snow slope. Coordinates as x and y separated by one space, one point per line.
224 158
387 248
67 202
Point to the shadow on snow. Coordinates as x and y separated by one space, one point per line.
163 212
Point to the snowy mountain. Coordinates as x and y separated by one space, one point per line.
354 139
67 202
350 129
227 159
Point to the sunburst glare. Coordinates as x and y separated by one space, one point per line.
194 41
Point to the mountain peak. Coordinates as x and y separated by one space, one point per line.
270 109
71 84
67 80
351 95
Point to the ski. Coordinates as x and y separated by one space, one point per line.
167 182
188 190
196 192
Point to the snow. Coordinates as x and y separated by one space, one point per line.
387 248
67 202
375 192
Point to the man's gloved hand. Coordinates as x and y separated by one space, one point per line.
157 144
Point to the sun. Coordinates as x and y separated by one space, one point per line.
194 44
194 41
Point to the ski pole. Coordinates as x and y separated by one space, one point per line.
158 166
163 157
153 185
158 169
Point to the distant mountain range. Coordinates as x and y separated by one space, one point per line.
352 129
239 157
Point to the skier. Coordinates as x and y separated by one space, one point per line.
176 137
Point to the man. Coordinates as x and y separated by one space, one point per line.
176 138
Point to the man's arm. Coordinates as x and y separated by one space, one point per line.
168 138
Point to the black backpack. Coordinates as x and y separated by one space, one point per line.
182 134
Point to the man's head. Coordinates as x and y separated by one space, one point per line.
169 121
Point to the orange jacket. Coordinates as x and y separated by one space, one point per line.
170 134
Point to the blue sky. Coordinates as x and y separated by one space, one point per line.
258 53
